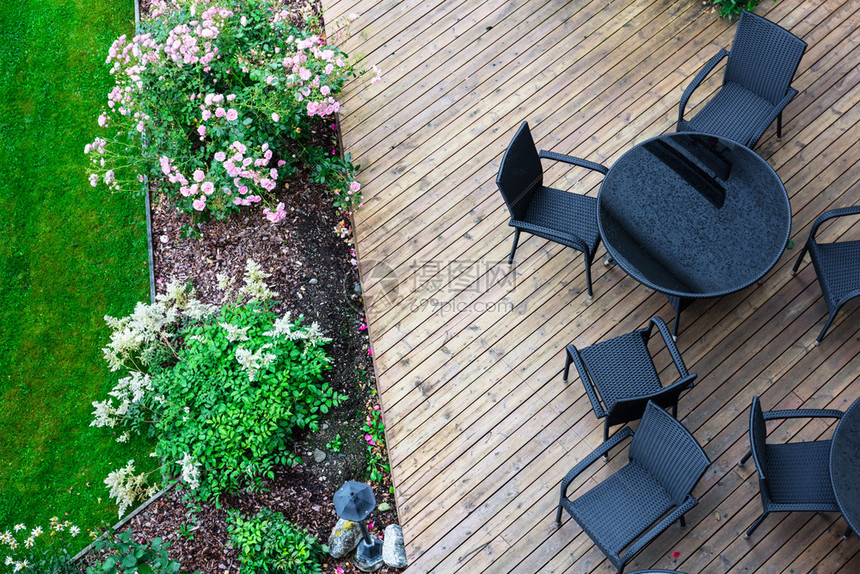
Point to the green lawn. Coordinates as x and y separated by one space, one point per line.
69 254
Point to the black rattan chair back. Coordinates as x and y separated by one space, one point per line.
668 452
764 57
520 175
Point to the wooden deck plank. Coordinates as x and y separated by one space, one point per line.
480 426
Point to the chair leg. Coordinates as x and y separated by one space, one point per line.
779 126
755 525
567 361
588 276
675 411
847 533
826 326
745 458
558 514
514 248
675 329
682 522
605 456
799 259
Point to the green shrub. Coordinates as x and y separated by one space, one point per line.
130 557
731 8
269 543
218 102
223 389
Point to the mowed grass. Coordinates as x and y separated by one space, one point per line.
69 254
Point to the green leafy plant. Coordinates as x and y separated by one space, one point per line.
218 103
731 8
39 550
377 457
269 543
129 557
222 389
335 444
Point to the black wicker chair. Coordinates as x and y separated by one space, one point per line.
560 216
756 85
629 509
791 476
836 264
622 373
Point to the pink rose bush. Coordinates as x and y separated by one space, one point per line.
216 101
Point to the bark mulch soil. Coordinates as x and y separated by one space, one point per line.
310 270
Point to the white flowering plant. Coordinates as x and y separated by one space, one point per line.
230 387
219 101
43 551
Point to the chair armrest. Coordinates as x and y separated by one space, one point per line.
657 529
670 344
841 212
712 63
574 161
546 231
802 413
593 456
586 381
771 117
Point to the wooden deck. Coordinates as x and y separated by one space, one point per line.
468 350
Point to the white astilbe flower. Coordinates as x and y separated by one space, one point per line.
140 330
225 284
235 333
253 362
176 294
255 289
104 415
190 471
123 437
196 310
198 338
132 388
125 487
315 334
282 326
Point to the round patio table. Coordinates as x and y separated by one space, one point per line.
693 216
845 465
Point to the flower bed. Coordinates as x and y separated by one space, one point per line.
259 417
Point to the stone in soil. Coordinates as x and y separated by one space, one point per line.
344 538
393 549
319 455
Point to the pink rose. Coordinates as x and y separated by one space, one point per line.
207 187
275 117
199 204
220 112
220 156
206 115
232 115
198 175
354 186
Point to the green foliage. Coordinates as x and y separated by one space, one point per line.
269 543
238 426
221 122
335 444
731 8
69 255
130 557
377 457
222 389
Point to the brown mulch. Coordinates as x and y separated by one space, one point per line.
296 250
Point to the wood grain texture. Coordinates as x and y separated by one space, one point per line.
468 350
